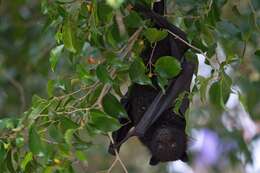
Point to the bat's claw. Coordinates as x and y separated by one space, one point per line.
112 148
153 161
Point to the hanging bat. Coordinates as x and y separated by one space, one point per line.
150 110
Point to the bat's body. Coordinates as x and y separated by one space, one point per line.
149 110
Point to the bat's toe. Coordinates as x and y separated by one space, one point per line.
111 149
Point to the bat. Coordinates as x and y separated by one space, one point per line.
150 110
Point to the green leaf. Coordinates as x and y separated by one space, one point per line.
104 11
68 35
167 67
55 133
39 105
9 162
178 102
216 95
154 35
28 157
8 123
81 156
67 123
68 135
48 169
50 87
133 20
204 82
93 96
137 73
226 83
35 142
103 74
113 36
113 107
162 82
19 142
2 152
84 74
227 29
103 122
55 54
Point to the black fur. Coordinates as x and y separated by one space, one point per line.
149 110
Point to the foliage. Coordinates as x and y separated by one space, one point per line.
97 53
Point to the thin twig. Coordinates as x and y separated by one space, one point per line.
112 165
48 141
120 23
74 92
117 155
74 111
244 50
105 90
128 47
151 57
102 94
190 45
70 94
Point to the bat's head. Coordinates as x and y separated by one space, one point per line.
168 144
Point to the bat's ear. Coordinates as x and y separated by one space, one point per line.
154 161
184 157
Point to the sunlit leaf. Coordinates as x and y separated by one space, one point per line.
215 94
28 157
115 3
39 105
68 36
204 83
50 87
81 156
137 72
68 135
55 54
35 142
103 122
19 142
154 35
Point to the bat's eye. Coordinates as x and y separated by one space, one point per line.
143 108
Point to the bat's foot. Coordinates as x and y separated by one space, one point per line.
153 161
112 148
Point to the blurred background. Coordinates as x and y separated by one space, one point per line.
218 143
